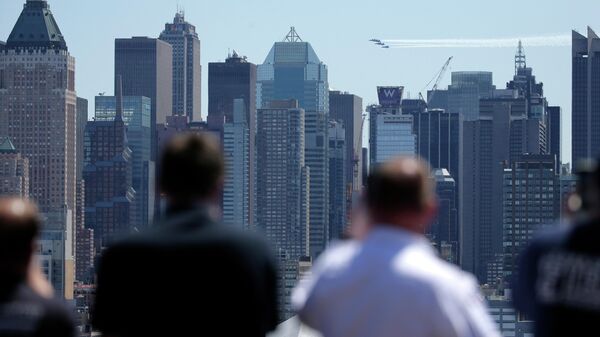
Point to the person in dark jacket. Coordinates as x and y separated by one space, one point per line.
558 284
27 305
189 275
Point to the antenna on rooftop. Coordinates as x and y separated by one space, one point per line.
520 59
292 36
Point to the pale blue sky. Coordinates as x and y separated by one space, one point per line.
338 31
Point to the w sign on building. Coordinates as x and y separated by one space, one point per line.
390 96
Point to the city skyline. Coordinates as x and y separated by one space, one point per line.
348 70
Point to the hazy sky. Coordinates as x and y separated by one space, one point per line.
338 31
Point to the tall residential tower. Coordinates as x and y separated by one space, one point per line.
182 36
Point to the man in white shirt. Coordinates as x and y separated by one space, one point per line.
391 283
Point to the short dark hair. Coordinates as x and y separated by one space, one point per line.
191 167
19 226
402 184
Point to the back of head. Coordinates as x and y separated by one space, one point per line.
19 227
191 168
402 185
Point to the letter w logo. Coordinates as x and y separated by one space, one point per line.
389 93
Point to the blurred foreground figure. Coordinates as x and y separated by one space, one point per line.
391 283
189 275
558 283
27 306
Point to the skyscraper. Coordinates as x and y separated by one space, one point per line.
292 70
393 136
438 139
228 81
236 151
137 118
391 133
531 199
83 245
444 231
585 125
338 190
283 190
146 68
109 195
554 131
464 92
348 108
14 171
502 134
187 71
38 107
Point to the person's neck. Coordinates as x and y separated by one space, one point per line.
404 224
176 207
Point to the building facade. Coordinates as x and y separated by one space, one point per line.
554 132
292 70
145 66
137 114
338 189
38 107
464 93
391 136
236 151
283 190
439 138
531 203
585 122
444 232
187 70
14 171
109 195
502 134
348 108
235 79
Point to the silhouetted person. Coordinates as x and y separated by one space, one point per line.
558 280
189 275
27 306
391 283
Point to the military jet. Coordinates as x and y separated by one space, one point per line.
375 40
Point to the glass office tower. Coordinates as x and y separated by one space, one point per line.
137 117
292 70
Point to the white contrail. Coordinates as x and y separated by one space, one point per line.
530 41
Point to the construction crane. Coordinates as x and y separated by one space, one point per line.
438 78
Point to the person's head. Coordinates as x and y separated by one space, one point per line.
192 169
401 193
19 227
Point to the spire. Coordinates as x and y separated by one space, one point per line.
292 36
520 59
119 99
